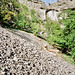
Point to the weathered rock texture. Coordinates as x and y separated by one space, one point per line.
62 4
53 14
21 55
52 10
39 7
56 8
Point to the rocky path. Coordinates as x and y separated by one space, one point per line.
21 54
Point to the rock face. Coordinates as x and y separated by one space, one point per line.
42 13
21 55
56 8
53 14
62 4
52 10
39 7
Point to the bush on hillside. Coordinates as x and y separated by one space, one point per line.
14 14
68 33
53 31
64 38
8 11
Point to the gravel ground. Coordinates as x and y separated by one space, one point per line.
22 55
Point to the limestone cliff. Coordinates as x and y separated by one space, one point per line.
51 11
35 1
38 6
62 4
56 8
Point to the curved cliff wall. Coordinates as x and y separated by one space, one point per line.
53 14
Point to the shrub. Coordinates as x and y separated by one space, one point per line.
69 33
32 11
53 30
8 11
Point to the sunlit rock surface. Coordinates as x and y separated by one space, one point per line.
22 55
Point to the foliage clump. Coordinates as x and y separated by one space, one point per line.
8 11
53 30
63 38
13 14
68 34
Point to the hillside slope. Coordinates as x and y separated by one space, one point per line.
25 57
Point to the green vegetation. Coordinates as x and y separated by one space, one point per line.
8 11
63 38
68 34
15 15
68 58
53 30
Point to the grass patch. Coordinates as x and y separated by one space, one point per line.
69 59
